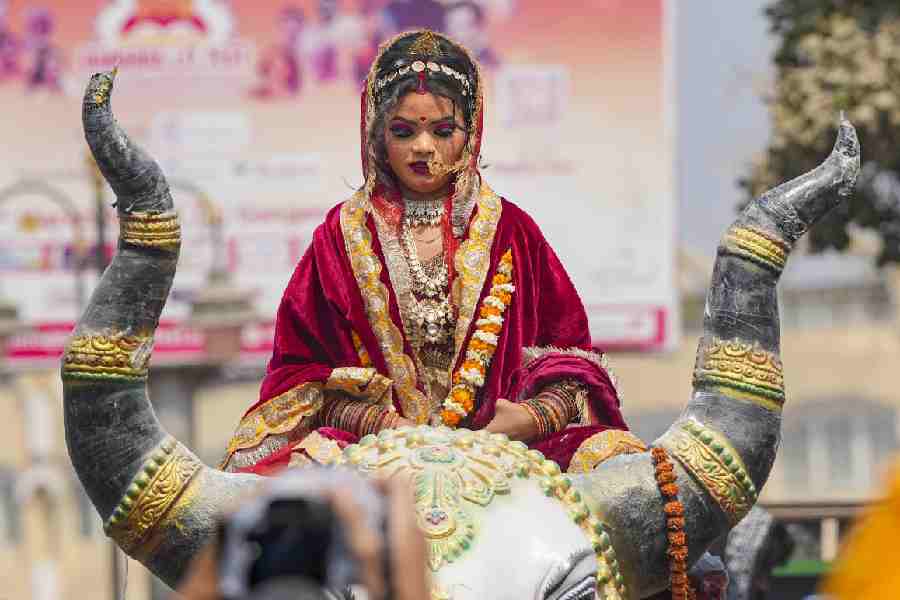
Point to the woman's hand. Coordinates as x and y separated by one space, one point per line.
514 420
398 422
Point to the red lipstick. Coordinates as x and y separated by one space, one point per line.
420 167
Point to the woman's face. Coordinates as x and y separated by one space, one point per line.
422 129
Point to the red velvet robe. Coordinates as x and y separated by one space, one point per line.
323 307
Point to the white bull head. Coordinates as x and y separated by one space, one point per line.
500 521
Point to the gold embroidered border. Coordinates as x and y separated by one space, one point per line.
318 448
399 277
746 369
603 446
757 246
364 359
364 383
715 464
367 270
111 356
151 230
281 414
158 484
472 260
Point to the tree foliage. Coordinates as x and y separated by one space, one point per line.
838 55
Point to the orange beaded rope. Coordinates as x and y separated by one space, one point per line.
679 584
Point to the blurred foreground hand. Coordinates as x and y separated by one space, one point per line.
406 564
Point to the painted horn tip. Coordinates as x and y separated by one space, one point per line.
100 87
847 153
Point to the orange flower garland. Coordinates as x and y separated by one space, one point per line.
679 584
470 376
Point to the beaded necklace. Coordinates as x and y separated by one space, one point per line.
433 314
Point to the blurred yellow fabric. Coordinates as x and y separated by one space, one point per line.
867 565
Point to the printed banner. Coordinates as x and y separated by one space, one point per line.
252 109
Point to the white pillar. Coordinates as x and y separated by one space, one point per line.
829 534
817 452
861 456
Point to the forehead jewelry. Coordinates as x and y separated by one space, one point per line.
426 45
421 69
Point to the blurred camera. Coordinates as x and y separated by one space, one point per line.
288 542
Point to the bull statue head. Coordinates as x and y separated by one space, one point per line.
501 521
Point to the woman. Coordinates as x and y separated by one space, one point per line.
426 298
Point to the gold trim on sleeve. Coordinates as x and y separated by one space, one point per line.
603 446
364 383
318 448
279 415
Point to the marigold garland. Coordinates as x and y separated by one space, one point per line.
470 376
678 551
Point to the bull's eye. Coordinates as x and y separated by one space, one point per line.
572 579
583 590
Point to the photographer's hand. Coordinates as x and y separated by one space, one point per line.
407 562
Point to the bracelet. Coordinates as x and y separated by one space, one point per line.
679 584
539 423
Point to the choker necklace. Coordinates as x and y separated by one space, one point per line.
423 212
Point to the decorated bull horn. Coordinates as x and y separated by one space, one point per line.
156 498
723 446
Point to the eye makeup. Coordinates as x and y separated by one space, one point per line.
445 129
400 129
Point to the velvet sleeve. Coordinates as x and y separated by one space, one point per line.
563 351
315 358
312 336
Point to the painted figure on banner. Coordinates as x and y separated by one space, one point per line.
426 298
279 68
329 42
9 46
403 15
467 22
45 59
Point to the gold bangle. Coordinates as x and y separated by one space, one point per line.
151 230
741 370
114 356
